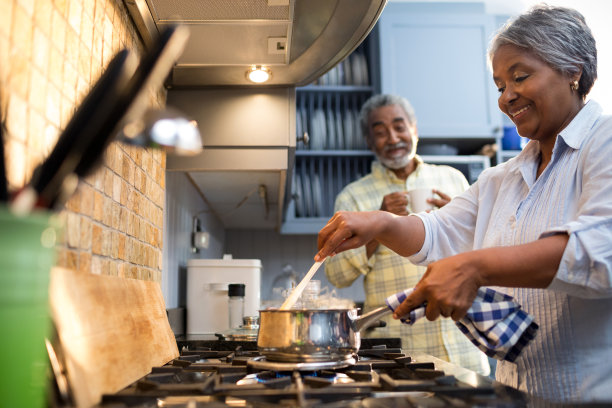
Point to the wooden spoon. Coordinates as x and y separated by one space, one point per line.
297 292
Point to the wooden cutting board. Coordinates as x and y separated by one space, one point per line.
112 331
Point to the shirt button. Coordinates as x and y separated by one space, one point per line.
512 221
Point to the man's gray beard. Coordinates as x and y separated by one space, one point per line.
396 163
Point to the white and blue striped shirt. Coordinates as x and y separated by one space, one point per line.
569 359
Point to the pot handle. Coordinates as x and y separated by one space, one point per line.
366 320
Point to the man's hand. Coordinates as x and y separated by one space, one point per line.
439 202
395 203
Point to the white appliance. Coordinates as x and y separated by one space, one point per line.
207 284
470 166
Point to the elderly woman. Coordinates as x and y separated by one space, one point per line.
539 226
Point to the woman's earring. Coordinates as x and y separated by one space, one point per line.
574 85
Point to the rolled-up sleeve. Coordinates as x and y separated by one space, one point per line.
586 266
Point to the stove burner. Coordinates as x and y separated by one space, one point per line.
261 363
374 378
279 379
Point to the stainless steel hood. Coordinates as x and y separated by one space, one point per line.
299 40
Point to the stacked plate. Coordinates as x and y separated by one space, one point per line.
351 71
298 196
332 139
331 123
349 129
318 130
359 70
308 196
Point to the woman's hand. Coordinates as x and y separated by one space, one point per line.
348 230
449 287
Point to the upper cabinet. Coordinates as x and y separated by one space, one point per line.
240 116
249 144
435 54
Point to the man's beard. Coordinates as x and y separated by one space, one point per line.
397 162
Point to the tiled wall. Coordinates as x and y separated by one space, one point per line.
51 52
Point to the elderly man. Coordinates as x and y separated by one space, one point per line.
389 125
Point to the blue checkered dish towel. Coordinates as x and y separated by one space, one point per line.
495 323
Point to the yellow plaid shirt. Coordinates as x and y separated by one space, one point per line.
386 273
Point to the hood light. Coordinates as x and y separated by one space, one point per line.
259 74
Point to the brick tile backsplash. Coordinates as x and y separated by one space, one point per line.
52 52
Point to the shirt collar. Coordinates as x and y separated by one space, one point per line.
573 134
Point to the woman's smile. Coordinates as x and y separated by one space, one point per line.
518 114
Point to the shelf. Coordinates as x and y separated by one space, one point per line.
325 153
335 88
320 175
304 226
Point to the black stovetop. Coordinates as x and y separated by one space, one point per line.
223 373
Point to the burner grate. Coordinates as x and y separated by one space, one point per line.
377 377
261 363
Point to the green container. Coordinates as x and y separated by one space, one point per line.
27 253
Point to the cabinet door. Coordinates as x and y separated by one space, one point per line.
240 117
438 61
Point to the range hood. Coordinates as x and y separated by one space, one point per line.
298 40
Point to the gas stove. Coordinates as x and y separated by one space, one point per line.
234 374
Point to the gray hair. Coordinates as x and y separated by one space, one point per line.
557 35
378 101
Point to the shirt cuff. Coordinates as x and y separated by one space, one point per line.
585 269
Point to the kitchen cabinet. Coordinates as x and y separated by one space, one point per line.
249 143
435 54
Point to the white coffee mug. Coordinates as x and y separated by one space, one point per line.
417 199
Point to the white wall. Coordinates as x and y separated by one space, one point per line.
276 251
183 201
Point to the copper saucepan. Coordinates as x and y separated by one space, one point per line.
313 335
